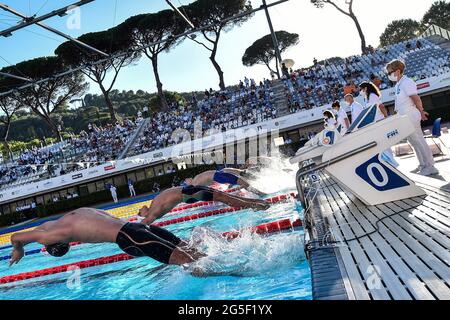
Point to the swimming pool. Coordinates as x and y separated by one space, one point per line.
258 267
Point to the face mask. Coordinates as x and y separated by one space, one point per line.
393 78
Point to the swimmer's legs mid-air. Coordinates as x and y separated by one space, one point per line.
169 199
225 176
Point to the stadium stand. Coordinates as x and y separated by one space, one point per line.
238 106
331 80
220 111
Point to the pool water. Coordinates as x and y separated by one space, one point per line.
254 267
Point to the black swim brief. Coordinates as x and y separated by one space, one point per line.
140 240
193 194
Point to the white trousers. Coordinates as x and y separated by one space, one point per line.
114 196
420 146
132 191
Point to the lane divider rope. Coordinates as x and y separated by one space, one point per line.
5 238
264 229
197 216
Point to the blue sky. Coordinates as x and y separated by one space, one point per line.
323 33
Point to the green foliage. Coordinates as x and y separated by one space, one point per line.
155 103
438 14
262 51
207 12
398 31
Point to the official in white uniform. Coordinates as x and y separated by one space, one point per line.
372 96
408 102
131 188
330 120
356 107
342 118
113 191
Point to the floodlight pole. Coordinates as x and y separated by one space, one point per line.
58 12
121 54
181 14
14 77
274 37
62 34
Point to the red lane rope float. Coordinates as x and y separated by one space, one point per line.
273 200
64 268
267 228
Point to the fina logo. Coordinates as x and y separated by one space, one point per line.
392 134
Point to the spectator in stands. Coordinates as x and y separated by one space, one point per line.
372 96
146 115
376 81
356 107
342 118
408 102
285 70
350 88
131 188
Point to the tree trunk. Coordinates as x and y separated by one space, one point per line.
217 67
56 131
159 85
109 104
51 124
361 34
270 69
5 139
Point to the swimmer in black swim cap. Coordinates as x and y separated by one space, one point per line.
58 249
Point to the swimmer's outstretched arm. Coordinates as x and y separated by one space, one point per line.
19 241
159 208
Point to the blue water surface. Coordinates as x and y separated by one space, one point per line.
259 267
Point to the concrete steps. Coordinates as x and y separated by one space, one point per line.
281 101
440 41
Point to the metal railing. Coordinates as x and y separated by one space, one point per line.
434 30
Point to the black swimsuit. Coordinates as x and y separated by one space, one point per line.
140 240
193 194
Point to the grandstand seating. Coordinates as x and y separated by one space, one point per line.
326 82
236 107
220 111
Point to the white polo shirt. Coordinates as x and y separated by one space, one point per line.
404 105
374 99
341 116
356 108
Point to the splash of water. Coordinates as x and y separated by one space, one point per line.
276 174
248 255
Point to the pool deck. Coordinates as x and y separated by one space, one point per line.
407 258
